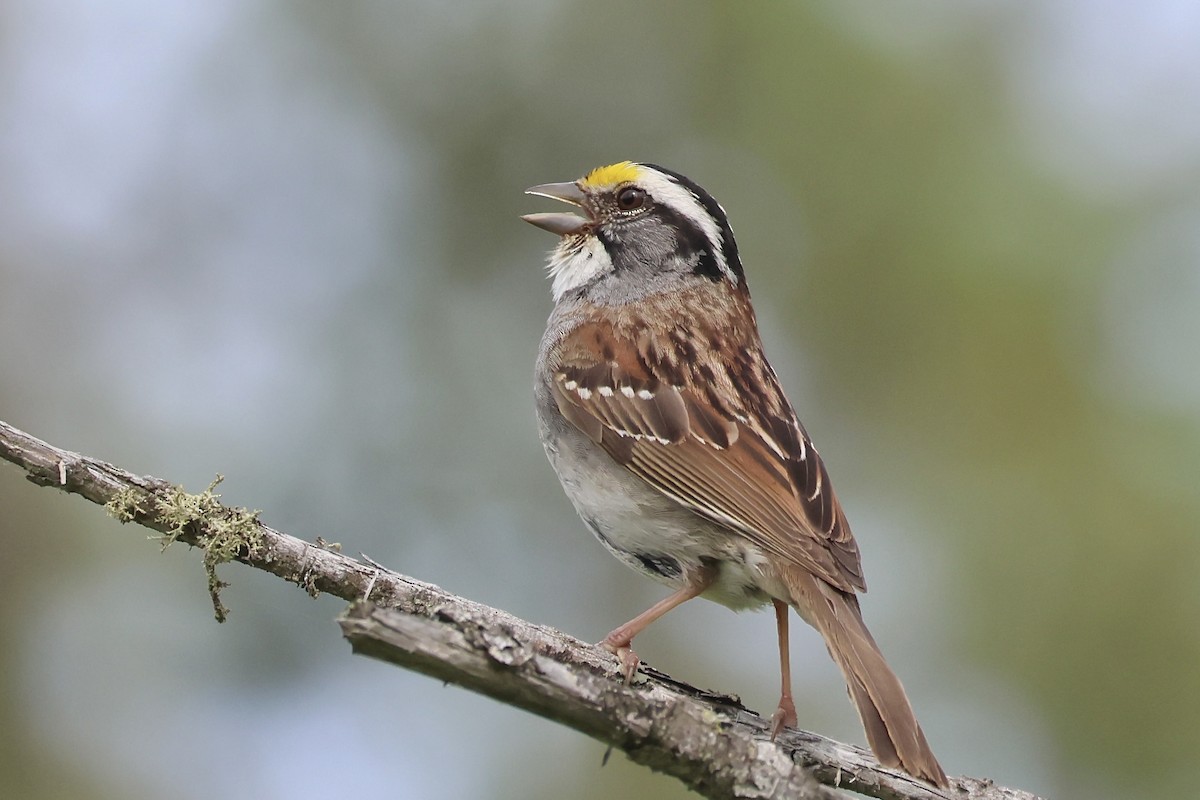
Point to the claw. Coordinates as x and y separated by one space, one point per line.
625 656
618 641
784 716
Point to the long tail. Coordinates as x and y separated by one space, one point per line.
892 729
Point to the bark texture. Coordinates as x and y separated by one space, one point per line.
709 741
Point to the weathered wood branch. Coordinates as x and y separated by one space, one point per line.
709 741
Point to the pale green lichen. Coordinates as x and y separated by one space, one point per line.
223 533
126 505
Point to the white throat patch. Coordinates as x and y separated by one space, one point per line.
571 268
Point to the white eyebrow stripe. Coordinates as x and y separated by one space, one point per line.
680 198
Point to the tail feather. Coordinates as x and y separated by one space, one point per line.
891 727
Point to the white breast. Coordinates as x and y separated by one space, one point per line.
642 527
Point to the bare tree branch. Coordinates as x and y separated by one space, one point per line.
709 741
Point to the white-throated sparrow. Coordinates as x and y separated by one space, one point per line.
672 437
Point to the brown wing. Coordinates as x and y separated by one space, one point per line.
699 440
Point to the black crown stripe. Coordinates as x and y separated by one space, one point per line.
729 247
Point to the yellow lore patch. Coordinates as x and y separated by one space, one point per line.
613 174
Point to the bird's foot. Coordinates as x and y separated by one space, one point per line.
784 716
628 659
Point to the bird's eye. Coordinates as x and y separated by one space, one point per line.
630 198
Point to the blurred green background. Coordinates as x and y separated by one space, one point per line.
280 241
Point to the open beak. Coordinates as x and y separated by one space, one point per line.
561 224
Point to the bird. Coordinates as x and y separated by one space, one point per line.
672 437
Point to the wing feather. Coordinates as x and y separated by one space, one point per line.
688 430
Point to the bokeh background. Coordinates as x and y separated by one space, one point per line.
279 241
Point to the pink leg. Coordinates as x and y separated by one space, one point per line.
785 714
618 642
